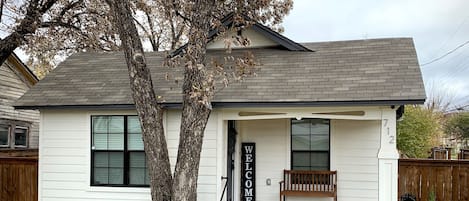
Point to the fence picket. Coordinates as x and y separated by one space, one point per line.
18 178
445 179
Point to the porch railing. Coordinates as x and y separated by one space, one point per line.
309 183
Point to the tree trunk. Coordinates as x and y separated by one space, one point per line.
27 26
196 110
149 111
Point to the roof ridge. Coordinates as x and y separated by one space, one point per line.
360 40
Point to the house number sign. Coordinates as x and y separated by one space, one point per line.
248 171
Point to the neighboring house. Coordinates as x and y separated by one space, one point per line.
312 106
19 129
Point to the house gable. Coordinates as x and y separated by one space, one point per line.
257 40
15 80
258 34
21 70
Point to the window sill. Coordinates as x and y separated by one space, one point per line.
122 189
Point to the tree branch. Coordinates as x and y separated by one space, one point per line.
46 6
1 9
69 7
58 24
176 11
155 45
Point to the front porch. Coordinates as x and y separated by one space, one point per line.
355 144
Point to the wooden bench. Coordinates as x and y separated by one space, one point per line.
308 184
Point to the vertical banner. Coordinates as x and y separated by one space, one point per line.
248 172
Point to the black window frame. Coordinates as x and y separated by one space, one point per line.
126 155
310 151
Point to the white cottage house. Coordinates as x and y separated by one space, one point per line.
326 110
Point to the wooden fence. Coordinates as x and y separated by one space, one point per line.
18 178
434 179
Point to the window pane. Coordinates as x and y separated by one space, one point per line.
116 124
3 135
116 159
108 168
101 159
300 127
100 124
320 142
319 126
116 141
301 159
137 176
301 142
133 124
100 141
135 142
101 176
319 160
137 159
138 173
147 178
21 136
116 175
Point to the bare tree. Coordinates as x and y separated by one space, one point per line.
34 13
63 27
198 85
440 97
50 30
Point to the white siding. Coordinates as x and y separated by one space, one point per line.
354 147
65 157
12 87
207 183
64 167
272 153
354 156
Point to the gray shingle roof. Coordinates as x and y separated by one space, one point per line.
344 71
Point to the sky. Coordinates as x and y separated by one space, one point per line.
437 27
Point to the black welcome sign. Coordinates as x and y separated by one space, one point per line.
248 171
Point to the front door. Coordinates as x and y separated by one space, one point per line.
230 159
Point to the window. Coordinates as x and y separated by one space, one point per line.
14 134
118 157
21 136
310 144
4 136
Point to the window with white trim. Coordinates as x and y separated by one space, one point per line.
21 136
14 134
310 144
117 154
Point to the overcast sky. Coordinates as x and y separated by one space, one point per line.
437 27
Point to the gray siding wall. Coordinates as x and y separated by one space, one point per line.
12 87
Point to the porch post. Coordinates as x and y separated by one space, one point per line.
388 156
